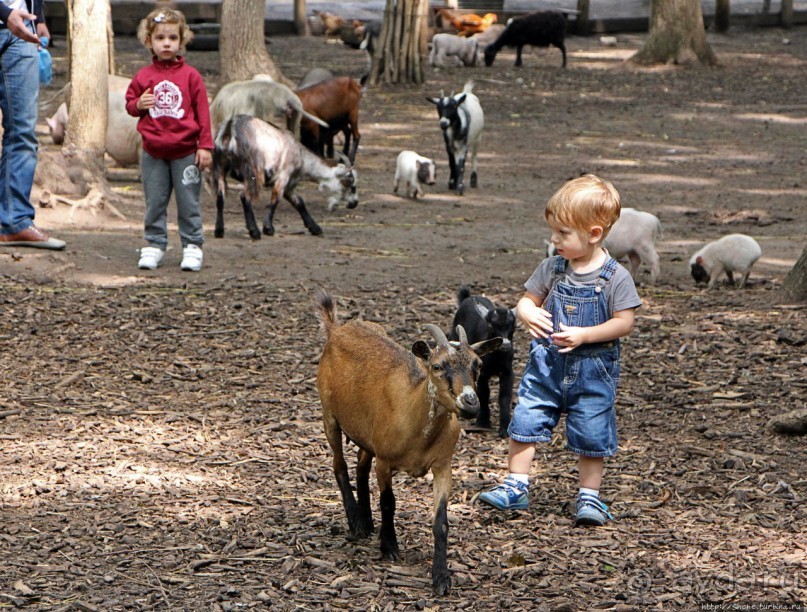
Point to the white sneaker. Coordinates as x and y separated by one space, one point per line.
150 258
192 258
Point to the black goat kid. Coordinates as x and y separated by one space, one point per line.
536 29
482 320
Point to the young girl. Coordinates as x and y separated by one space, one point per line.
170 99
577 306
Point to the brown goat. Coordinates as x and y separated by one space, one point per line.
336 102
400 407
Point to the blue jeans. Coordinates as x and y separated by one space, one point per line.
19 103
581 384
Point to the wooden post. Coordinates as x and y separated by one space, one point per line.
581 27
722 15
786 17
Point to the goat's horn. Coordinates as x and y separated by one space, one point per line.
461 334
343 158
438 335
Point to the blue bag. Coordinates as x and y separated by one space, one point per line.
45 64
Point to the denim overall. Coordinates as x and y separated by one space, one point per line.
581 383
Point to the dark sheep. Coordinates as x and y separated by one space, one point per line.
539 29
482 320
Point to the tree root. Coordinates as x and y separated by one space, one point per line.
97 199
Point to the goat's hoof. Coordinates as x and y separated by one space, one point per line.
269 231
391 552
315 231
255 235
460 189
218 233
473 181
441 583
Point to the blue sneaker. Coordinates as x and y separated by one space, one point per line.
591 511
511 495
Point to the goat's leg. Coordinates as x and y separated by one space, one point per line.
518 54
387 537
474 149
249 218
308 220
506 380
635 264
365 518
219 231
461 174
334 435
353 123
269 217
483 392
441 577
452 163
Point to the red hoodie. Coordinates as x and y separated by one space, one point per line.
179 122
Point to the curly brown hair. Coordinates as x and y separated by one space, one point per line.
164 15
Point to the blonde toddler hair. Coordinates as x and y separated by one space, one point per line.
164 15
585 202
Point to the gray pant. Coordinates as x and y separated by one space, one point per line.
160 177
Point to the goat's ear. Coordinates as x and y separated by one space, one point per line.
461 99
433 100
486 346
421 349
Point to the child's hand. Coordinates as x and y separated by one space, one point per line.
539 323
146 100
569 338
204 159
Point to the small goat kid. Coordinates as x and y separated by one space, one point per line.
444 46
257 153
400 408
482 320
462 120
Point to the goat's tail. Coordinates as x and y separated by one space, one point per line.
469 87
463 293
327 313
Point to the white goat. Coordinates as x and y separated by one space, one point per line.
414 170
257 153
462 120
732 253
444 46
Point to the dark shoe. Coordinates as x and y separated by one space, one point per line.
32 237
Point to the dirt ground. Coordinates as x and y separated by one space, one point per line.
161 440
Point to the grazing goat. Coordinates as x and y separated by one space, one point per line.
462 120
469 23
400 408
463 50
336 102
414 170
257 153
481 320
633 236
536 29
263 98
732 253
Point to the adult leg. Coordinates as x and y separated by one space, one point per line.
19 99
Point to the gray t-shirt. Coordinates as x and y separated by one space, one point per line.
620 292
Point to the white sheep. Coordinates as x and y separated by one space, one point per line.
633 236
414 170
732 253
463 50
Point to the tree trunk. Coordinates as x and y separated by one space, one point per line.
581 26
242 49
795 285
676 28
398 56
786 16
86 132
722 15
300 22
